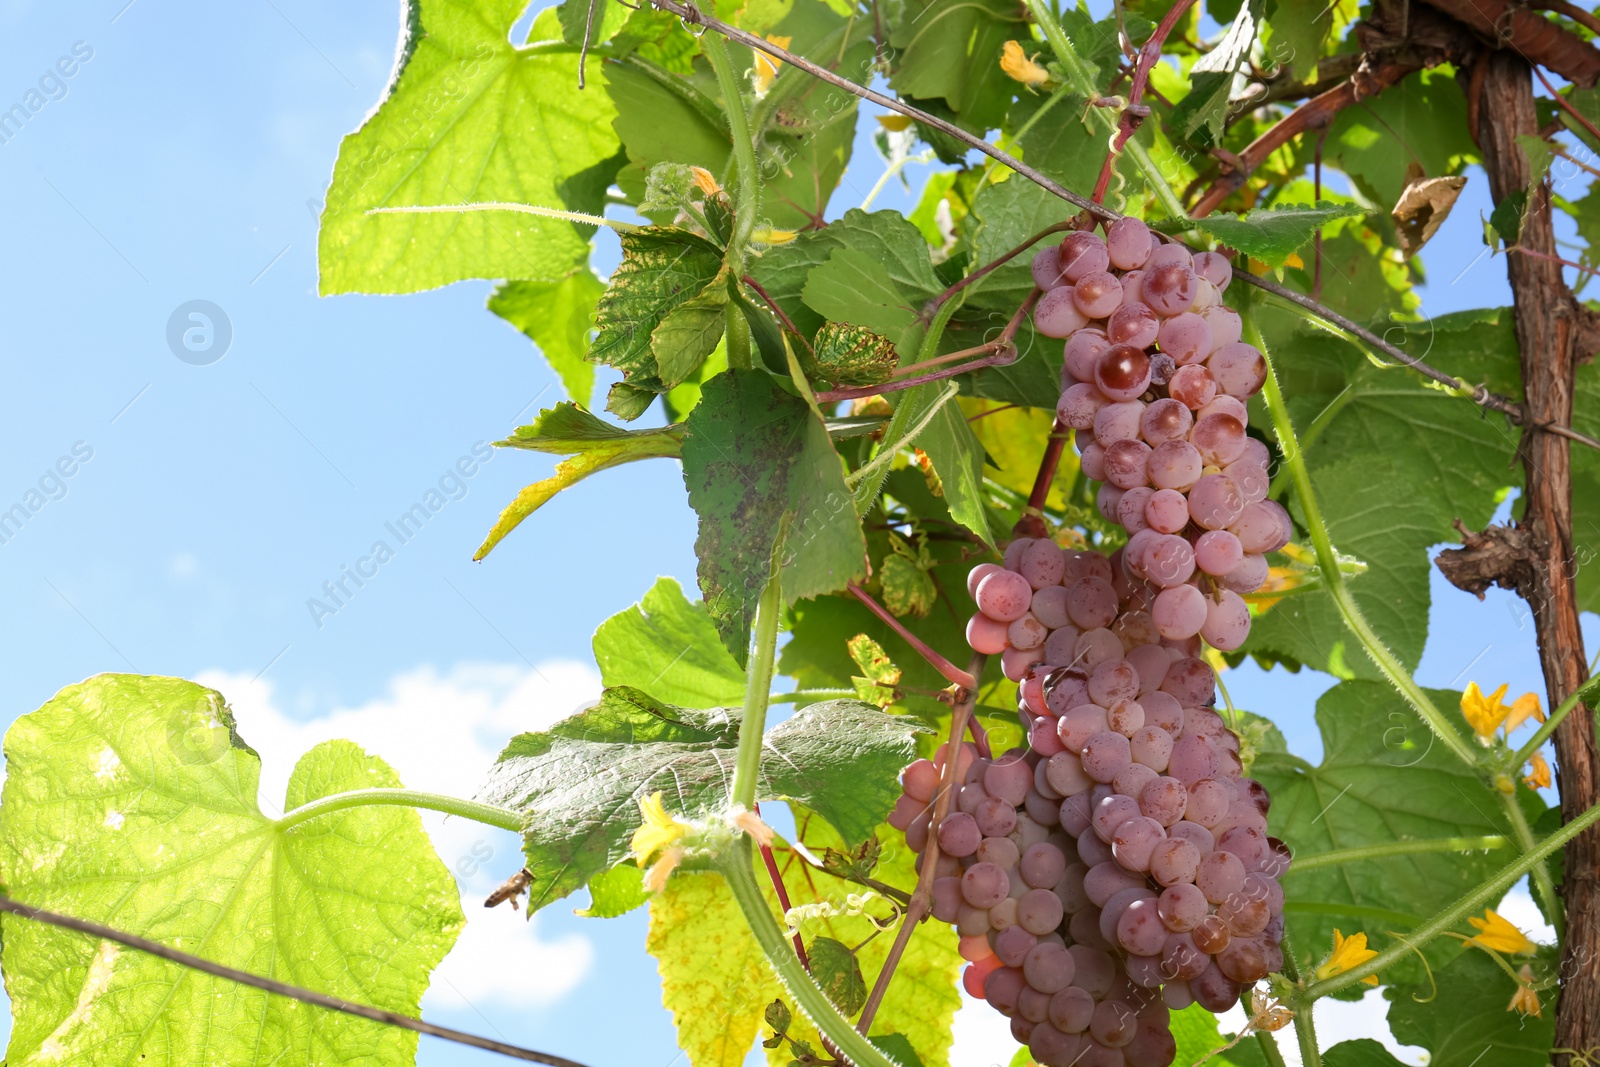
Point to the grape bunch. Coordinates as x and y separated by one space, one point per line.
1155 381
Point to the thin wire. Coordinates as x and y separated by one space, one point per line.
1477 394
322 1000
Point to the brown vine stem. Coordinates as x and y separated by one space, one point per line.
782 891
997 262
255 981
920 898
950 671
1479 395
1135 111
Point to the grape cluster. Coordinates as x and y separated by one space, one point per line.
1155 381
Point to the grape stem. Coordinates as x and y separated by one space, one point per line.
950 671
923 895
997 262
1135 111
1456 913
488 814
1340 857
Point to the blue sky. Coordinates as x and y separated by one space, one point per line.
182 161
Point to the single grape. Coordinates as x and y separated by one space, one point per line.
1042 807
1182 907
1219 876
1057 315
1033 1005
1245 917
1165 420
1222 404
1252 478
1186 338
1208 801
1218 552
1082 351
1214 268
1004 595
1143 971
1094 970
1065 773
1081 253
1013 553
1042 865
905 809
1021 1030
1226 326
1134 627
1118 421
1125 717
1046 267
1163 800
1215 503
1181 960
1174 465
1000 850
1071 1009
1179 612
1009 777
1195 834
984 885
1215 991
1042 563
972 921
1132 287
959 834
1095 647
1075 813
1110 683
1049 606
1174 861
1134 840
1113 1024
1193 386
1168 562
1111 812
1015 663
1131 506
1211 935
1039 911
1027 632
1122 372
1261 527
1162 368
1049 967
1079 724
1193 758
995 817
1151 746
1151 661
1170 289
1239 368
1091 603
1003 986
920 780
1097 293
1051 1048
1167 511
1133 323
1128 243
1153 1046
978 574
1191 681
1227 621
1065 690
1107 499
1111 914
1133 780
973 949
1012 945
1104 755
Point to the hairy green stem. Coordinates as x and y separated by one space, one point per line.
1305 1031
1541 870
1386 661
753 727
808 997
1456 913
1342 856
871 473
1082 83
931 339
1269 1048
738 334
489 814
1542 735
747 196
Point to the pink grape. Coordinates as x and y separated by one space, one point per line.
1082 253
1151 661
1049 606
1079 724
1111 683
1004 595
1174 465
1226 326
1091 603
1134 779
1027 633
1111 813
1057 315
1186 338
1131 507
1214 268
1219 438
1219 876
978 574
1214 503
1042 564
1227 621
1251 477
1066 774
1179 612
1174 861
1214 991
1239 368
1079 405
1181 960
1105 754
1049 967
1218 552
1169 561
1262 527
1118 421
1082 351
1170 289
1132 286
1126 717
1127 463
1000 851
1122 372
1167 511
1208 801
1163 800
959 835
1134 840
1128 243
1046 267
1222 404
1039 911
1140 929
1193 386
1191 681
1013 553
987 635
1165 420
1133 323
984 885
1192 759
1097 293
995 818
1182 907
1151 746
1042 865
1009 778
1249 575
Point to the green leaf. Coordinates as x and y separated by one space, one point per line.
851 287
1375 435
1371 739
579 783
1422 120
131 801
690 333
1468 1020
836 970
603 19
558 317
1196 1033
662 270
714 979
439 138
615 892
1300 32
667 645
752 455
593 444
1272 234
898 1048
1364 1052
1202 115
951 49
885 237
849 355
956 454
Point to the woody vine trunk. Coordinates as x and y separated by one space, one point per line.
1547 329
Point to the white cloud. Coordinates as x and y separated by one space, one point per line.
441 732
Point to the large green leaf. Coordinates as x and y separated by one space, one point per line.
131 801
1364 1052
1382 779
579 783
1466 1021
951 49
956 454
592 444
668 646
753 455
1421 120
1393 464
440 138
558 317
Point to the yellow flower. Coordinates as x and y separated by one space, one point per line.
657 831
894 122
1525 707
1018 67
1484 714
1525 999
1348 953
1538 776
767 66
1495 932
